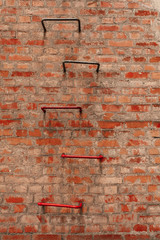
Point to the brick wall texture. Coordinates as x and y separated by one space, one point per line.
120 120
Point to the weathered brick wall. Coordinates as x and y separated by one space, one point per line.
120 119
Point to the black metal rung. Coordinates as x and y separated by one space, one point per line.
93 63
61 19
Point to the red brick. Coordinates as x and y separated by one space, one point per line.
47 228
137 108
133 5
74 123
19 208
138 124
107 59
109 125
133 179
134 91
3 229
2 57
9 122
158 236
35 42
107 28
69 42
137 237
124 208
157 142
107 35
154 228
106 4
13 41
4 73
92 12
22 74
16 237
36 19
78 180
8 219
131 198
9 106
131 28
93 229
13 199
155 75
108 133
31 229
20 58
155 90
140 228
124 228
46 237
15 229
112 108
56 124
87 75
35 133
21 133
155 59
86 124
140 208
108 143
31 106
144 44
81 143
13 89
124 43
156 124
17 141
79 237
133 142
77 229
136 75
124 99
38 3
146 13
108 237
139 59
24 19
49 141
10 2
109 99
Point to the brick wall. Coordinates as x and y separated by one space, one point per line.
120 120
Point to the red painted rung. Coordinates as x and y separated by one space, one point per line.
67 107
73 156
60 205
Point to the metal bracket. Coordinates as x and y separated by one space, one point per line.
73 156
61 19
91 63
60 205
67 107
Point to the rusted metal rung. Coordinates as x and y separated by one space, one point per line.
62 20
76 156
60 205
77 62
66 107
